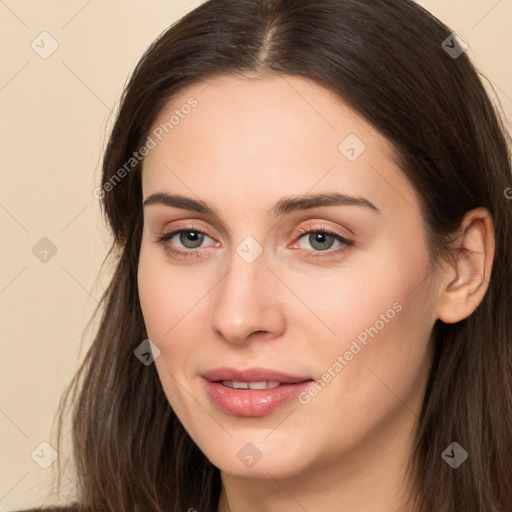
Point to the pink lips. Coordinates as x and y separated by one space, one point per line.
252 402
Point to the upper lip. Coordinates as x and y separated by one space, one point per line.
251 375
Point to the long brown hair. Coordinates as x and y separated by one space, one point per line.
389 60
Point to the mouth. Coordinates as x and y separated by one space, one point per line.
252 378
264 384
252 392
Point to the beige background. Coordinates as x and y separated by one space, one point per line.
55 115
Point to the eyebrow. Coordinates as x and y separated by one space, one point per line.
282 207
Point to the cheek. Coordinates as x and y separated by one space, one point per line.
382 318
166 308
174 312
373 292
154 296
165 295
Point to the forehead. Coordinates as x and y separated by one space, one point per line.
275 108
258 136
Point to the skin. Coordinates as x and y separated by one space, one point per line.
246 145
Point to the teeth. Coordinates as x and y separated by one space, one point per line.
264 384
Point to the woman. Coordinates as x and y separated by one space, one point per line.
309 203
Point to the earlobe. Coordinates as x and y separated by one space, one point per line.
472 267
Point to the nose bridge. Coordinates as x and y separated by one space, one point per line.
245 302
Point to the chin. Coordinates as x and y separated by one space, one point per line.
244 458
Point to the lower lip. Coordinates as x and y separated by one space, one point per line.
253 402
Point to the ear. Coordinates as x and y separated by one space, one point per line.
465 283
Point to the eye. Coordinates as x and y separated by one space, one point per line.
188 242
189 238
321 242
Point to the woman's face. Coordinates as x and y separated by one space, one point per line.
333 293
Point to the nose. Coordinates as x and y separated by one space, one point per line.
246 305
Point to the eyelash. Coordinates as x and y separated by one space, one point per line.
346 243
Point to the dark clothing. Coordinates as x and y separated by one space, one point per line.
50 509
